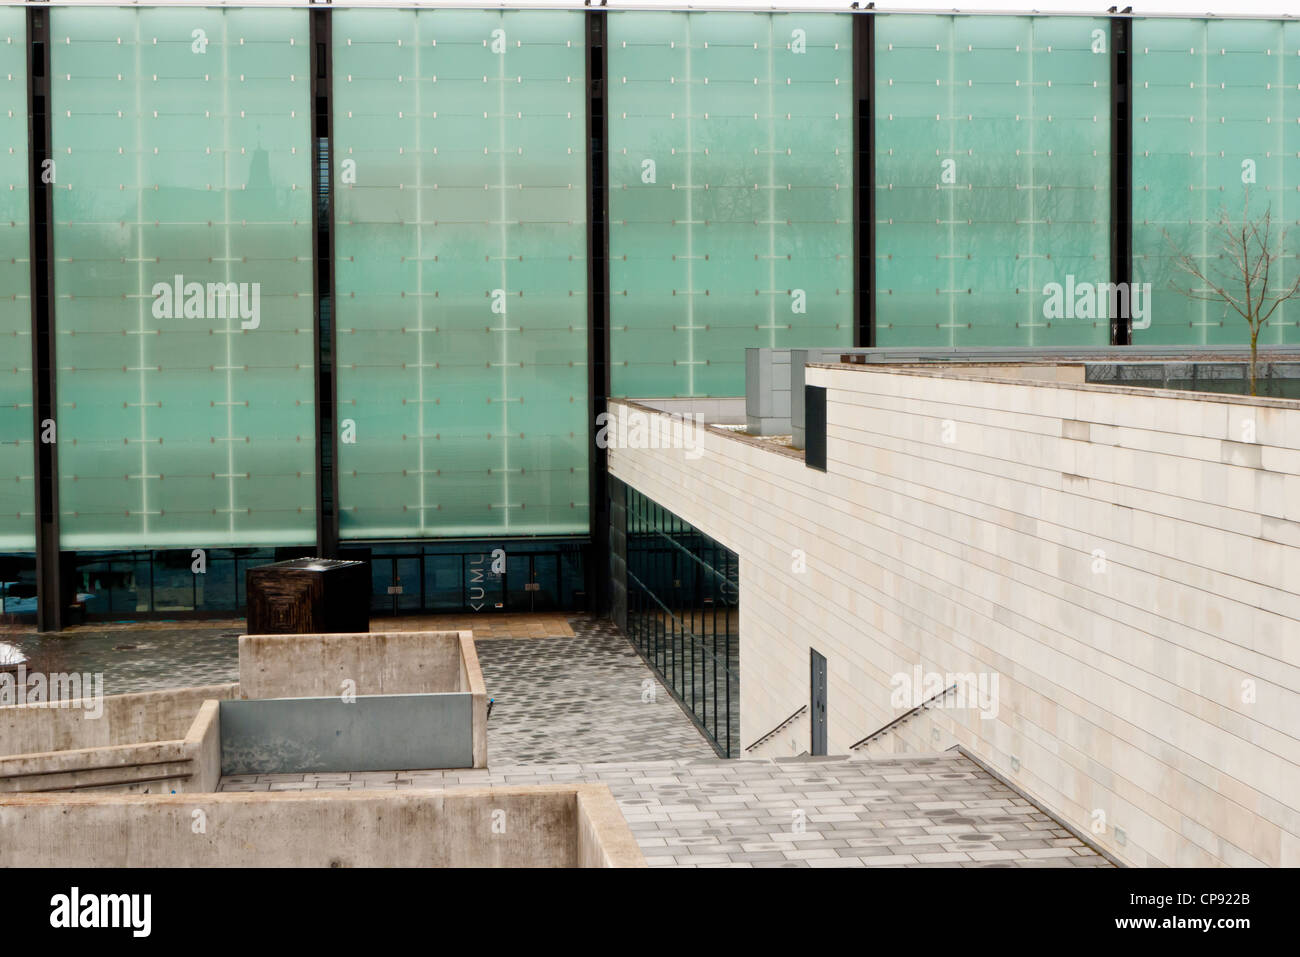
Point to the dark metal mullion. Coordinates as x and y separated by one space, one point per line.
1121 168
597 130
714 594
49 583
324 337
864 179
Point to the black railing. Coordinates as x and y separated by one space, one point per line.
778 729
902 717
683 615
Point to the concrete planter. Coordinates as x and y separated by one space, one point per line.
153 742
553 825
356 702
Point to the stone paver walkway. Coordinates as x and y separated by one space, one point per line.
582 700
936 810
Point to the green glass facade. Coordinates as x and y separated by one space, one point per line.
730 194
448 193
183 276
1216 115
992 178
460 183
17 528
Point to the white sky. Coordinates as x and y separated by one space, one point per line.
1278 8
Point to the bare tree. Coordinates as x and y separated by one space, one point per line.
1244 265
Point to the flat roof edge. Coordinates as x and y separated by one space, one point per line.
964 371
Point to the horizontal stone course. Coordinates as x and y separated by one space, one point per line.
1120 691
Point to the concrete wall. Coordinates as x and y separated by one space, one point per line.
126 719
385 662
164 741
1057 371
306 667
153 742
1126 563
204 742
537 826
604 838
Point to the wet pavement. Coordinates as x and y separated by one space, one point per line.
138 656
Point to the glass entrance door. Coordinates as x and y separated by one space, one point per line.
395 585
533 582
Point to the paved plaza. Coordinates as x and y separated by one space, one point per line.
936 810
587 699
571 709
573 701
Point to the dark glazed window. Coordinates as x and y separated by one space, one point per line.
683 604
814 405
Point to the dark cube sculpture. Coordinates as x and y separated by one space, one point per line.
307 596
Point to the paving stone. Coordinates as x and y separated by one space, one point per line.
586 691
569 709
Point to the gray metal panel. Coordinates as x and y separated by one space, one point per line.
767 390
755 387
817 682
372 733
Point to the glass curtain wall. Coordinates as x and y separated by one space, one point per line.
460 198
17 488
164 581
683 613
992 180
731 201
183 276
1216 123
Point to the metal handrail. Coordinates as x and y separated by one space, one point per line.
783 724
903 717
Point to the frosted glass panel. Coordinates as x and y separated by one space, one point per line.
731 202
462 293
17 529
182 139
992 179
1216 112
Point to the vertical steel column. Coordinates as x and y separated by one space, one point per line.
864 176
327 480
50 598
598 565
1121 167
